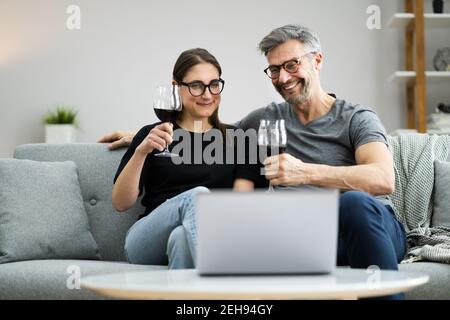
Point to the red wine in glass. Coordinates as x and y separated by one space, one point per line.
167 105
276 148
166 115
272 137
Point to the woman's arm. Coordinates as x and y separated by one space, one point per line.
126 188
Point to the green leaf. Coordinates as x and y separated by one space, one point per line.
62 115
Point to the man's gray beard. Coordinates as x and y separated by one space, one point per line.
300 99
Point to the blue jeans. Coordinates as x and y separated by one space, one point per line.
168 235
369 234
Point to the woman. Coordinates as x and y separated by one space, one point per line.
166 232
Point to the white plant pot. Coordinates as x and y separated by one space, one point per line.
59 133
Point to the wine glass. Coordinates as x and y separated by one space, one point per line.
167 105
272 138
282 143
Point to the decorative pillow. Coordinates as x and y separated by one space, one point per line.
42 215
441 210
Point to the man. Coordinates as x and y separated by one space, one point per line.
330 143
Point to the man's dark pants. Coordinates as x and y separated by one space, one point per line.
369 234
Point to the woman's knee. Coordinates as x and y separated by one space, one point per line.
129 255
135 255
197 190
189 197
144 245
190 194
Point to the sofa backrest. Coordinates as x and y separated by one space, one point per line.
96 168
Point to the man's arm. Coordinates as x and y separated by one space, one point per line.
374 172
118 139
243 185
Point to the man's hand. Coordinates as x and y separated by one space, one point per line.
286 170
118 139
373 172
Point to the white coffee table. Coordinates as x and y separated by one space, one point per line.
343 283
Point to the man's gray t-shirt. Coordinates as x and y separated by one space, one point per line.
331 139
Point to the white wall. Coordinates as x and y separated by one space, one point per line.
107 70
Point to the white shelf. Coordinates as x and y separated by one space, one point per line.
433 76
400 20
432 20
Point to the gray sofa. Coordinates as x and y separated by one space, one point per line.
47 279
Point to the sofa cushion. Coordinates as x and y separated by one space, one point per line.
96 168
438 287
42 215
56 279
441 209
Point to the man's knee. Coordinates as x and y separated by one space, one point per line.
356 209
353 198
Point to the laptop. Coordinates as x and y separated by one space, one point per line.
289 232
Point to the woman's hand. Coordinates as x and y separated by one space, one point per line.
158 138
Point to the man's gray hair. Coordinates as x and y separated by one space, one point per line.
291 31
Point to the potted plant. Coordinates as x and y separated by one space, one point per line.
60 125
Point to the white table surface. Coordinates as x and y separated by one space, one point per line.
343 283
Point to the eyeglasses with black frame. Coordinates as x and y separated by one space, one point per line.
291 66
197 88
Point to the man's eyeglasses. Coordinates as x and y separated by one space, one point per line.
291 66
197 88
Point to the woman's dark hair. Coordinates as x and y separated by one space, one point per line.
185 62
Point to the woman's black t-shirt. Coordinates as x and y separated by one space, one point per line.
162 179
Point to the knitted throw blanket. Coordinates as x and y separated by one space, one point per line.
414 157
